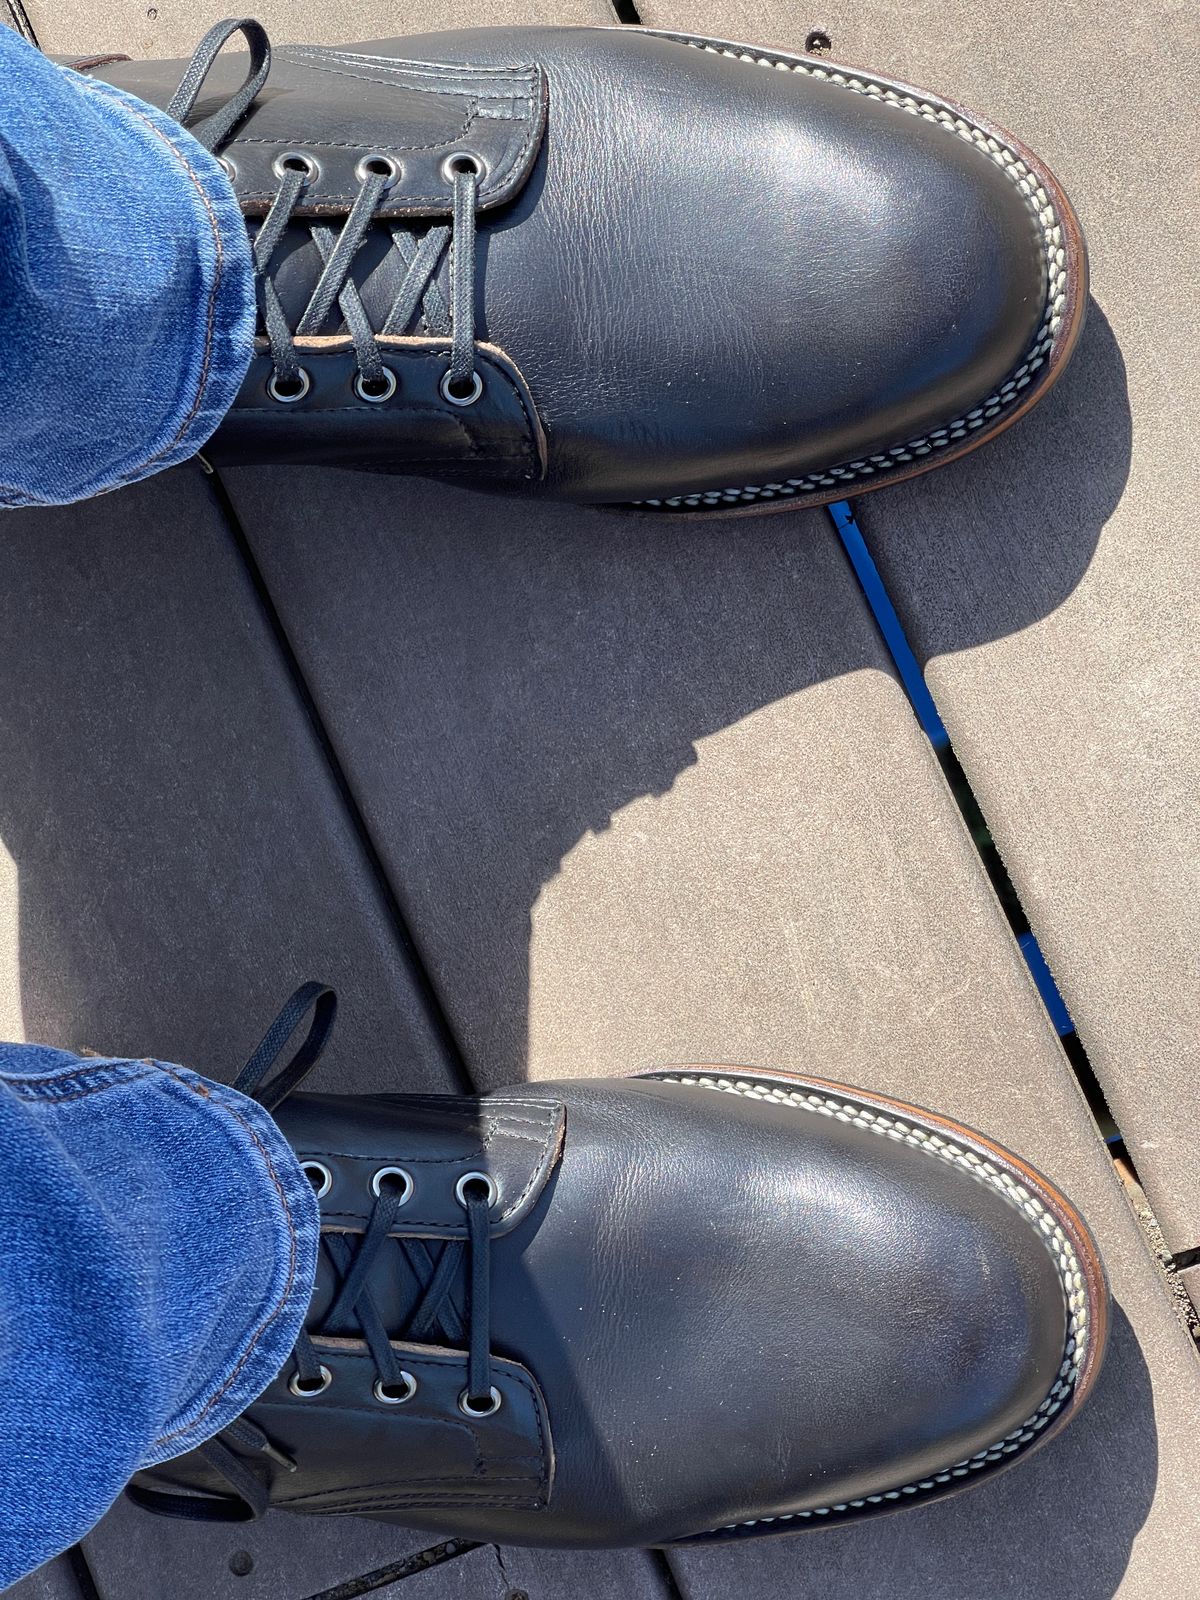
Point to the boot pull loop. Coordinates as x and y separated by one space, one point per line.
321 1000
215 129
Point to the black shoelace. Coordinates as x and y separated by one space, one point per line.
419 293
428 1273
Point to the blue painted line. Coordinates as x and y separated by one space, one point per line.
1046 986
880 603
927 714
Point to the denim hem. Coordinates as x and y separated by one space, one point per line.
228 346
158 1245
77 1082
274 1327
184 364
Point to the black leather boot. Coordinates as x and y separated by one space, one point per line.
703 1303
620 265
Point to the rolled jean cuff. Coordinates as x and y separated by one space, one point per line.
159 1244
285 1241
127 302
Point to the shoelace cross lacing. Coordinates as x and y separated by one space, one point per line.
430 1308
419 292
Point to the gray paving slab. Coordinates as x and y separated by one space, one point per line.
1048 582
650 793
305 1558
477 1576
169 28
281 1558
174 853
55 1581
313 1558
595 744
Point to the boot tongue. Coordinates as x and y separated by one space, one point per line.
428 1148
438 1141
345 107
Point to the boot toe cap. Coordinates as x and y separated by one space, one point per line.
920 1316
797 1305
779 280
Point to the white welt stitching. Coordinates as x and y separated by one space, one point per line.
1043 211
983 1171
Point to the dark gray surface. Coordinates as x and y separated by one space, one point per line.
177 855
55 1581
134 1556
303 1558
579 736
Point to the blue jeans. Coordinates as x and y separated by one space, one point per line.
157 1236
158 1246
126 286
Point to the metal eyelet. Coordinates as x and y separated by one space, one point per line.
388 382
306 1391
319 1175
303 383
459 161
227 167
467 399
380 1390
473 1408
493 1188
289 161
379 166
404 1183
